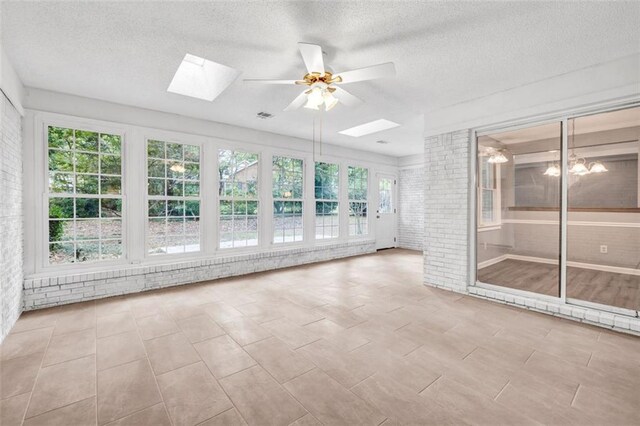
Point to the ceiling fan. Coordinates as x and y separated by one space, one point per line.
323 85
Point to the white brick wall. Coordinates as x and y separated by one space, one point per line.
43 292
446 205
411 208
11 238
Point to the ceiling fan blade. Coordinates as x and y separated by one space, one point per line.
297 102
312 57
367 73
256 80
345 97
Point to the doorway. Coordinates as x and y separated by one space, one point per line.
386 226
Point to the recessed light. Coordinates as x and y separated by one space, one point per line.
201 78
368 128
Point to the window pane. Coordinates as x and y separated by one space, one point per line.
288 177
61 138
86 141
358 221
110 144
174 205
518 235
385 195
288 224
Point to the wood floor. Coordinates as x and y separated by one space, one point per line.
606 288
349 342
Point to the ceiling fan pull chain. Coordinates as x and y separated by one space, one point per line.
320 133
313 139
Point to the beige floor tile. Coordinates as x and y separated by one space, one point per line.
192 395
223 356
344 367
114 324
324 328
472 406
155 415
76 319
12 409
330 402
156 326
293 335
341 316
307 420
70 346
200 328
112 305
228 418
79 413
25 343
167 353
607 408
388 364
261 311
31 320
260 399
125 389
62 384
402 404
179 311
18 375
119 349
221 312
245 330
278 359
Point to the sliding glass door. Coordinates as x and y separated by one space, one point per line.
520 206
603 232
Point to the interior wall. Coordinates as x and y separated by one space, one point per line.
11 216
411 208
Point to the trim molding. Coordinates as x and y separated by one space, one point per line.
573 223
592 266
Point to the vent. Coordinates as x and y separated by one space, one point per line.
264 115
381 142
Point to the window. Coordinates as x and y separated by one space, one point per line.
385 195
85 196
173 190
489 192
326 192
288 184
358 184
238 191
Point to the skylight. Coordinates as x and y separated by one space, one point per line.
368 128
200 78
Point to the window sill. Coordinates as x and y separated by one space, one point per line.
489 228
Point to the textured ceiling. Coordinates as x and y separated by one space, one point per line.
445 53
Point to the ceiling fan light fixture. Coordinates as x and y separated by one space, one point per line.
497 158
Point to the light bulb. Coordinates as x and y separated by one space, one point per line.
553 170
597 167
579 169
497 158
329 100
315 97
311 105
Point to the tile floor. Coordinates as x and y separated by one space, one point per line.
355 341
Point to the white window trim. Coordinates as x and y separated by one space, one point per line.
368 200
257 199
497 200
325 200
147 198
303 200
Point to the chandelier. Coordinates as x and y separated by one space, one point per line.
577 164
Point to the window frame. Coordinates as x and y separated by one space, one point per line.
42 236
366 200
166 138
327 200
302 200
496 192
258 198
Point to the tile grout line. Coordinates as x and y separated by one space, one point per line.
502 390
575 395
153 373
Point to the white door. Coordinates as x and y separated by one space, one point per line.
386 212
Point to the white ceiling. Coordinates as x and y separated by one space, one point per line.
445 53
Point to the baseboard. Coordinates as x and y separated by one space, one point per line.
592 266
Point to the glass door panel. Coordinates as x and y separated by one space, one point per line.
603 231
519 196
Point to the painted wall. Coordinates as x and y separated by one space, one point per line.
11 216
